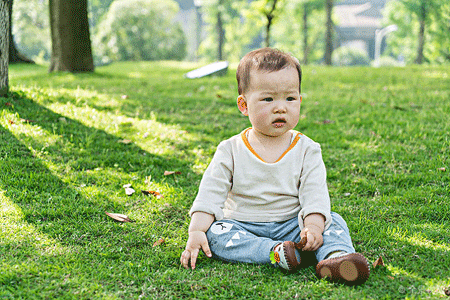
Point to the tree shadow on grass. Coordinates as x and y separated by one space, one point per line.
205 107
59 228
414 249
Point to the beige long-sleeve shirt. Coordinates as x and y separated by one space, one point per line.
239 185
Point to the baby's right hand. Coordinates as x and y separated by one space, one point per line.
197 240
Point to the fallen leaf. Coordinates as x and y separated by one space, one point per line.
171 172
326 121
153 193
26 121
158 242
218 95
442 169
118 217
378 263
125 141
11 122
129 191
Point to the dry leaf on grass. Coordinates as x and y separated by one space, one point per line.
128 189
171 172
118 217
153 193
158 242
442 169
26 121
125 141
379 262
11 122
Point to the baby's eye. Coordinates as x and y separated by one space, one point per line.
268 99
290 99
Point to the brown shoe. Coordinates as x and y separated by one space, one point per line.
286 256
351 269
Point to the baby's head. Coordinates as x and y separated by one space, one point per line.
264 59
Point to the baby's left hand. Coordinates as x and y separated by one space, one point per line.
314 237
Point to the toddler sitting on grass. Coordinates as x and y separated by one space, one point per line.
265 189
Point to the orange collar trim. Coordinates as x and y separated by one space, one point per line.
247 143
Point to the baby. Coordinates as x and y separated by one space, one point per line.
265 189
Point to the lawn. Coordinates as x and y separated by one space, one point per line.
69 143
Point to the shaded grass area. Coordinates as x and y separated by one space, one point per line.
63 163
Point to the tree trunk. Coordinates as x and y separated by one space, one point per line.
4 47
305 33
269 24
221 36
422 17
270 16
71 44
14 55
329 33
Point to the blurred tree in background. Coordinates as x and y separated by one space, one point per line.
423 33
238 34
140 30
146 30
295 31
31 29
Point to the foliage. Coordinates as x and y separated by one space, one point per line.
244 24
406 15
31 28
63 166
288 33
347 56
97 9
239 33
140 30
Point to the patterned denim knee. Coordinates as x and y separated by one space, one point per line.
232 241
335 238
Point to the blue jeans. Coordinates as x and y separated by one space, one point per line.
252 242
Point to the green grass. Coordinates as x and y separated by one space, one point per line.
385 139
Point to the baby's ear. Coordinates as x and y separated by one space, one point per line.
242 105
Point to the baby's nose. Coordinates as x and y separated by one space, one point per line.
280 107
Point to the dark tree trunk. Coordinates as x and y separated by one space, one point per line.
71 44
4 47
329 33
270 15
422 18
14 55
221 34
306 12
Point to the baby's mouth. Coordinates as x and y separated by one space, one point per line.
279 122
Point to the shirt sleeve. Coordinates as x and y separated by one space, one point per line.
215 184
313 190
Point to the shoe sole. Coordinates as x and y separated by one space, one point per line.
351 269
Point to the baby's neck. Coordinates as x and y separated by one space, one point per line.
270 148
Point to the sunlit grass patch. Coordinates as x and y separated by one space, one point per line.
70 142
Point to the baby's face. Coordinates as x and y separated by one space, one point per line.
273 101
